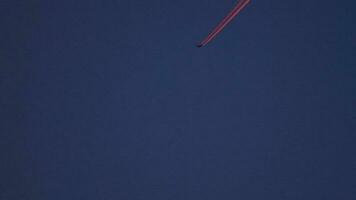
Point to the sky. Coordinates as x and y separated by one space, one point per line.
112 100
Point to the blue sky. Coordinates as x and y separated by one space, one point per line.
112 100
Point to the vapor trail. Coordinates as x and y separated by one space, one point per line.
235 11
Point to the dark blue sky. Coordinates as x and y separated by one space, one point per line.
111 99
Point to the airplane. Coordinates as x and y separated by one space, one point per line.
228 18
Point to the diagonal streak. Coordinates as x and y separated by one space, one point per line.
235 11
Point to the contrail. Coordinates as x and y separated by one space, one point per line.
235 11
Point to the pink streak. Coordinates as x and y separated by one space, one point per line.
235 11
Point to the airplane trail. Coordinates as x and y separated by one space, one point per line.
233 13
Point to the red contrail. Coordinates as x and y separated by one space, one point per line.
235 11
